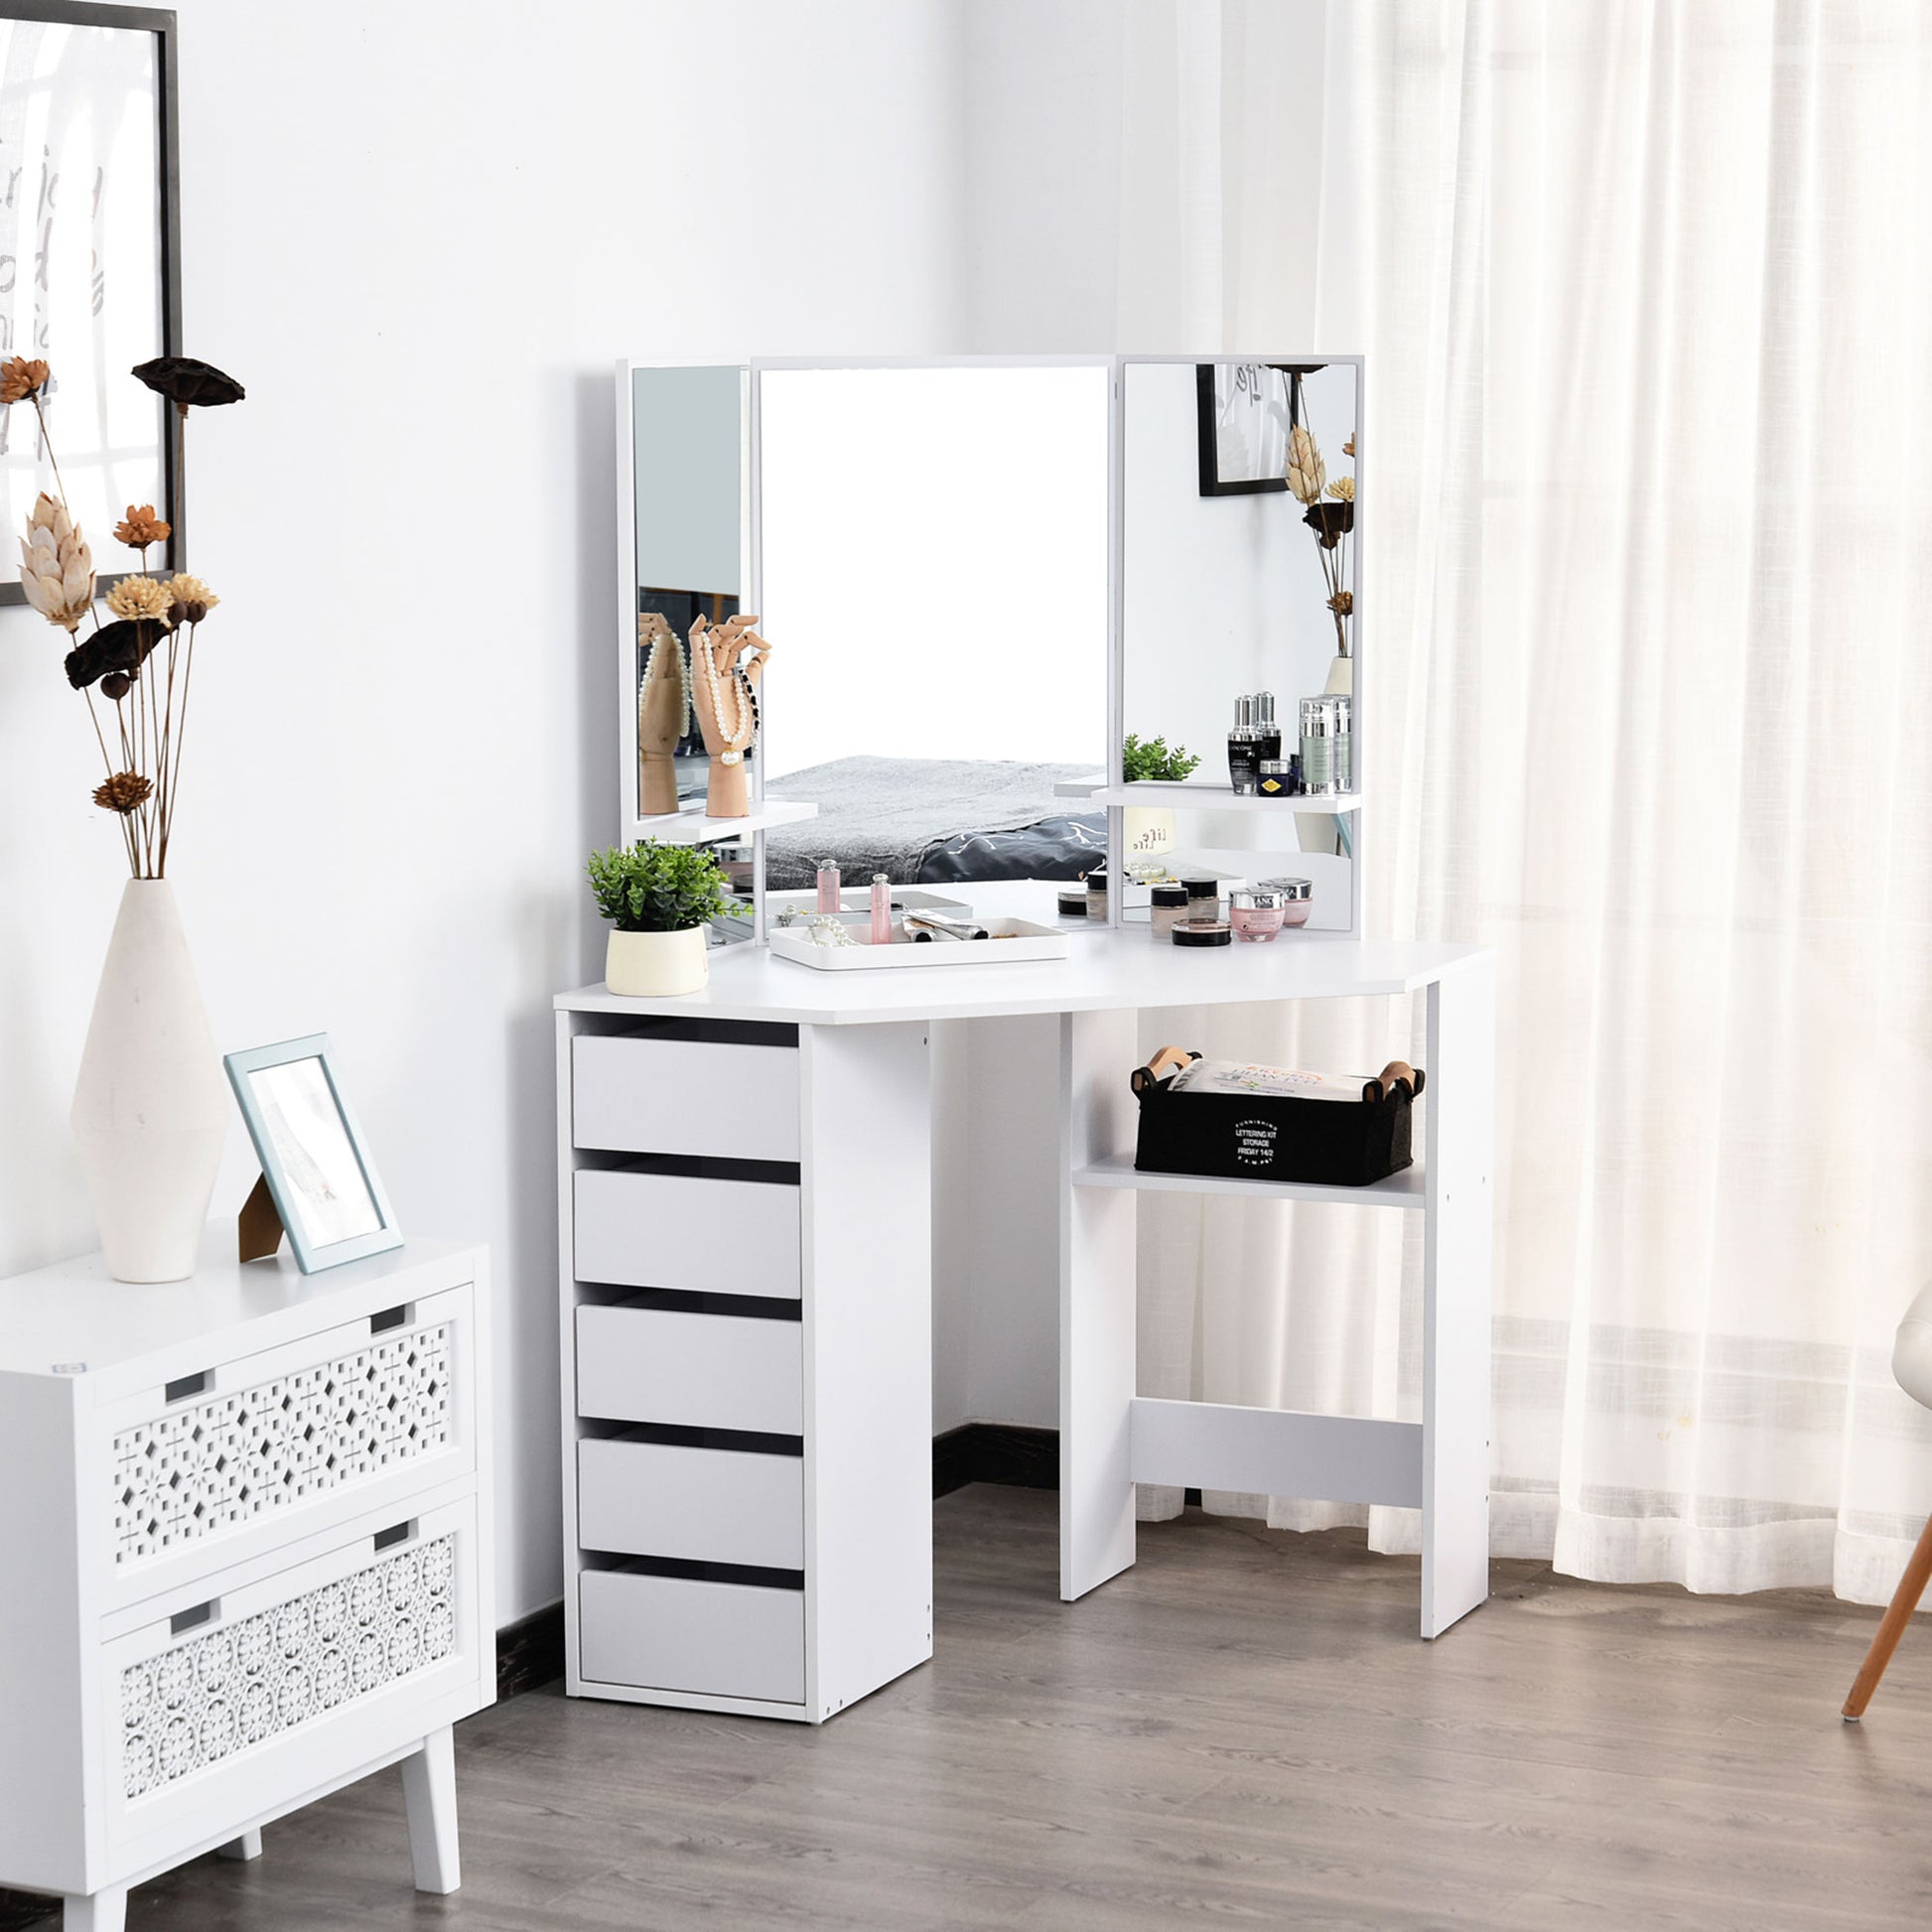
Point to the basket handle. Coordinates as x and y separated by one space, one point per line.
1169 1059
1397 1073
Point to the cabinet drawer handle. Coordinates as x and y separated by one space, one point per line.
187 1385
195 1618
395 1534
395 1318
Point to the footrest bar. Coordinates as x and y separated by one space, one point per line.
1276 1452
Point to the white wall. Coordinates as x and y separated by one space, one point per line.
421 235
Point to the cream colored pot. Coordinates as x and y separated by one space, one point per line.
655 965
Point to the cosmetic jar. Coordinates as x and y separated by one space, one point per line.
1298 896
1073 901
1202 891
1256 913
1275 779
1097 894
1169 903
1202 932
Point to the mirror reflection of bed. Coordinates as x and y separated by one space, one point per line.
935 586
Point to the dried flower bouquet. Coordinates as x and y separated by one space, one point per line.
143 661
1328 509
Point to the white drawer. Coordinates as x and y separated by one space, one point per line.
671 1633
703 1505
298 1676
684 1096
701 1371
655 1230
266 1448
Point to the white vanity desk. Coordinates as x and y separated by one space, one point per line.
767 1549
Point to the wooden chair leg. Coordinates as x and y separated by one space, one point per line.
1899 1613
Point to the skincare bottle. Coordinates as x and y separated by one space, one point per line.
1341 716
1244 748
1270 732
828 886
1097 893
881 910
1318 747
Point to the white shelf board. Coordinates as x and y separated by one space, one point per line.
1155 796
692 825
1404 1189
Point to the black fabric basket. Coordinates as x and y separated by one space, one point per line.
1274 1137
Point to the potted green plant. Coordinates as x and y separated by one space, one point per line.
658 898
1150 831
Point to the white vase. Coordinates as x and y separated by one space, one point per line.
655 965
151 1106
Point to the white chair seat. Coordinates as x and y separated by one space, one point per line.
1911 1354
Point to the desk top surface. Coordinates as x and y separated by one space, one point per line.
1108 971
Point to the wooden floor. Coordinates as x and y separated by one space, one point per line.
1243 1730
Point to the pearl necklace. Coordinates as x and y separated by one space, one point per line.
683 682
737 734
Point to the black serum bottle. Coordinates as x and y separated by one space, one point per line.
1244 748
1270 732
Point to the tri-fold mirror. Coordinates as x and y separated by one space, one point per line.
997 594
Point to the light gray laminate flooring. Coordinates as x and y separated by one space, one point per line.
1244 1730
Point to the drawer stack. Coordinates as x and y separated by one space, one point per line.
703 1566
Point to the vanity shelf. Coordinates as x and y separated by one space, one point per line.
1155 796
1404 1189
693 826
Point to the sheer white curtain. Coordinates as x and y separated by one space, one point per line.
1647 295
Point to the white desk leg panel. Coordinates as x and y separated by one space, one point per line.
105 1911
243 1849
1098 1051
1460 1099
867 1191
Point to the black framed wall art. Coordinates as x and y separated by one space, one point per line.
89 261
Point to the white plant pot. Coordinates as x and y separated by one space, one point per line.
655 965
151 1106
1149 835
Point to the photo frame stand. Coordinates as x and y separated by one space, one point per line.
258 1227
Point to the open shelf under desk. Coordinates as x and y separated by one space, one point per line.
1404 1189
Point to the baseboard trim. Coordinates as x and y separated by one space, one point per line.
1007 1452
530 1651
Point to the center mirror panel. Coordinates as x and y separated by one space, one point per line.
933 582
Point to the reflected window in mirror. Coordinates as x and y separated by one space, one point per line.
934 585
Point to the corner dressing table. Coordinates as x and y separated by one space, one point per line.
748 1505
745 1174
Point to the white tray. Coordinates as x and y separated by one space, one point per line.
1013 941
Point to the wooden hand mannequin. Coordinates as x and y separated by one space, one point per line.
721 695
663 713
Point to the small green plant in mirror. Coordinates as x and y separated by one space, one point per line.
658 888
1143 760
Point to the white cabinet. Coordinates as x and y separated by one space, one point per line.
743 1242
249 1516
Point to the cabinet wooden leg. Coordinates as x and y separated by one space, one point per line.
101 1911
1899 1613
248 1846
429 1791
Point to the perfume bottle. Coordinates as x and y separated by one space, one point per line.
828 886
881 910
1270 732
1244 747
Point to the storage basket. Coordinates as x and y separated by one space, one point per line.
1237 1122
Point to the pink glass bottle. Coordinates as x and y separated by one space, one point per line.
881 910
828 886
